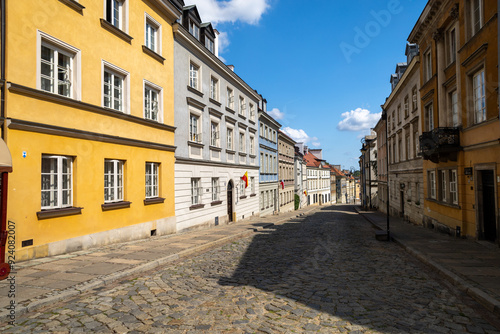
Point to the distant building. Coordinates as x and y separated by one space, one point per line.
300 175
368 168
318 178
286 153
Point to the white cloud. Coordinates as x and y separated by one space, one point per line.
276 114
300 136
358 120
231 11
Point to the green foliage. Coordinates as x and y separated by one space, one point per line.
297 201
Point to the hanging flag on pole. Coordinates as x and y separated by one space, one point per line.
282 184
245 179
305 192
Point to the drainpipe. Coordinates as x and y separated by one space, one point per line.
4 267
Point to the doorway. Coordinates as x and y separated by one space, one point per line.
402 199
230 200
486 205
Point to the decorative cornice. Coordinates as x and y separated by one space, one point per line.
118 32
153 54
17 124
195 103
454 12
73 5
215 113
475 54
195 91
438 35
188 161
229 119
46 96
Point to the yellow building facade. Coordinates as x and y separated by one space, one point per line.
458 43
88 119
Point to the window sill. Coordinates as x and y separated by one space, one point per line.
215 203
215 148
243 197
118 32
156 200
196 144
54 213
253 195
195 91
230 110
73 5
252 156
218 104
454 206
242 154
115 206
230 151
196 206
153 54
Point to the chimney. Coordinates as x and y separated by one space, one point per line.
216 43
231 67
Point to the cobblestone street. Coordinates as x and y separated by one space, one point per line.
321 273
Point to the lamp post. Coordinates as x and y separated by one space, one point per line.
384 117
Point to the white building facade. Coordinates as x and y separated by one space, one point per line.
216 132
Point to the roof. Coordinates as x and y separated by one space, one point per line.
311 160
287 137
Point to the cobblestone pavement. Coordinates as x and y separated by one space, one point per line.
324 273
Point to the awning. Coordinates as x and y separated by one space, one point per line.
5 158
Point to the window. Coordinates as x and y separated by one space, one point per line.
230 139
427 66
113 181
399 114
407 144
215 189
242 142
115 82
116 13
152 184
209 44
193 75
416 140
196 191
230 98
262 171
152 34
431 179
194 135
214 134
479 97
453 101
453 186
252 145
194 29
393 120
151 103
452 46
242 105
414 98
429 118
476 15
443 181
242 188
214 89
56 70
252 184
252 111
57 182
407 106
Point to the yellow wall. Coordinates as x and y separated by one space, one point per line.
96 44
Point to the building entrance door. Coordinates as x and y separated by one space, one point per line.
486 205
402 199
230 200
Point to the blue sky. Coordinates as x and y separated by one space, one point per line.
323 66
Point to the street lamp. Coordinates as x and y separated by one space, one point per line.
384 117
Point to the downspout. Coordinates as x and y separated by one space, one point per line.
4 267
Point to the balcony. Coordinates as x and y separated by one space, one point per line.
440 144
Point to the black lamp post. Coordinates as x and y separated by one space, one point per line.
384 117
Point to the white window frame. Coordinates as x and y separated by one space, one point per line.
252 111
230 98
476 23
73 53
152 184
451 36
214 88
479 96
152 27
252 184
196 191
209 44
242 147
252 145
215 189
443 185
242 106
195 128
431 184
56 183
194 29
230 138
122 23
149 86
428 65
124 75
429 117
115 186
194 75
214 134
453 187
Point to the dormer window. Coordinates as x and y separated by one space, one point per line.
194 29
209 44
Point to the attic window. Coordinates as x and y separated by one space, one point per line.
194 29
209 44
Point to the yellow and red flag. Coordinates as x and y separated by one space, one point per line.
245 179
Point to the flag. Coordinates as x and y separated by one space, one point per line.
305 192
282 184
245 179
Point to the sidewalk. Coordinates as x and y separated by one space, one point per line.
44 281
471 266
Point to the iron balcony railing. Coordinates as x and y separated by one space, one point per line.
440 144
